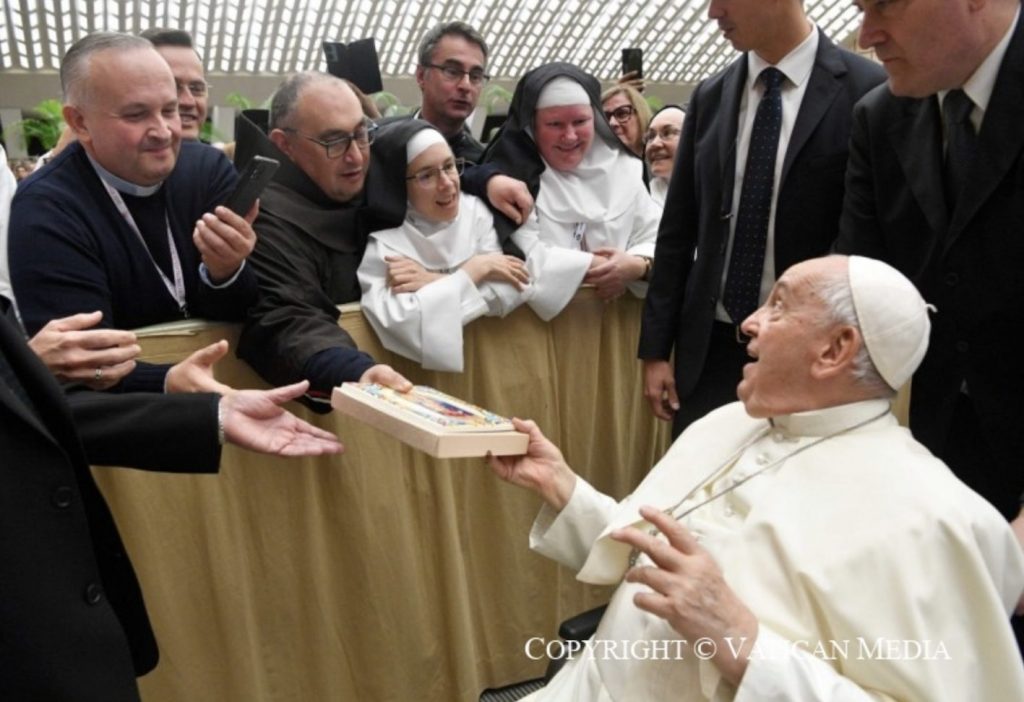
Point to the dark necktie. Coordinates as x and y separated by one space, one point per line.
961 143
743 282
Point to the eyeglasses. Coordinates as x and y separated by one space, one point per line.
667 133
427 178
620 114
197 88
339 145
454 74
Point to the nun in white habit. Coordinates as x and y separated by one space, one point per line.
594 222
443 266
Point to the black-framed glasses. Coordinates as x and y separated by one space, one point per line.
197 88
620 114
336 147
454 74
666 133
428 177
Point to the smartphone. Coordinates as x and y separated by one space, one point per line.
250 184
633 60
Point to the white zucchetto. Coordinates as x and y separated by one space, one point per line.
893 318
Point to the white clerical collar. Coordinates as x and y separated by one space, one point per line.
120 184
796 65
822 422
982 82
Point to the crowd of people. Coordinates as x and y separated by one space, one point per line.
791 230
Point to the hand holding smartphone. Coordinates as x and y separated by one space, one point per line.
254 178
633 62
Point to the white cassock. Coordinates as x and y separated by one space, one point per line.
426 325
601 203
863 550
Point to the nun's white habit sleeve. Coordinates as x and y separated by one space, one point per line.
501 298
425 325
643 235
556 273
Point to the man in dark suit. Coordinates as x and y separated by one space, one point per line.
951 220
692 306
73 624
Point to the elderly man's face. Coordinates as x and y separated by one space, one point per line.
192 90
787 334
925 45
326 111
564 135
128 119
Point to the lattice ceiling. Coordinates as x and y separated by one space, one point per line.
267 37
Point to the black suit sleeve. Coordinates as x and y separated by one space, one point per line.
859 230
175 433
673 253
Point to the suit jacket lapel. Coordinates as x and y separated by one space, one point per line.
1001 139
823 86
922 167
34 375
733 84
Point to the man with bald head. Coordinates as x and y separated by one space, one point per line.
312 229
798 544
126 221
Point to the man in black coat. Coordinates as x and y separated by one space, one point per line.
684 311
73 625
940 196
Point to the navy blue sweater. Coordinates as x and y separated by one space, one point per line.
70 251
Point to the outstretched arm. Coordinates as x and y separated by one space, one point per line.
254 419
542 469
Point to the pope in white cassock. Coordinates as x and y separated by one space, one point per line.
442 267
800 543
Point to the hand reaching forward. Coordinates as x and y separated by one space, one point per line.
74 352
385 375
542 469
255 420
195 373
509 196
690 593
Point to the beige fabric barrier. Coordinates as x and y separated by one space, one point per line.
382 574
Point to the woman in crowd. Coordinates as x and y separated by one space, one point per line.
660 144
593 220
628 114
442 267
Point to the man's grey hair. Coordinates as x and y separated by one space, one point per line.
74 69
837 297
286 97
433 37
